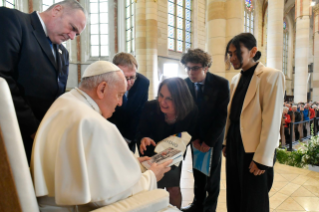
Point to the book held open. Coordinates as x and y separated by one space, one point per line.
161 157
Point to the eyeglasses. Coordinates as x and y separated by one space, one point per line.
131 78
195 68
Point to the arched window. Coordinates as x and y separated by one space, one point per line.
179 25
249 17
7 3
129 22
99 28
285 50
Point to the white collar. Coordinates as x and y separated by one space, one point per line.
43 25
89 100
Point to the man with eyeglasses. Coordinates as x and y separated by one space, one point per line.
211 94
127 117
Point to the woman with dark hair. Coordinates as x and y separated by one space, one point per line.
173 111
252 127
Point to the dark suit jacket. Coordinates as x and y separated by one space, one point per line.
213 112
28 65
126 117
153 125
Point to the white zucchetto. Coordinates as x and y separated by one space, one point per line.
98 68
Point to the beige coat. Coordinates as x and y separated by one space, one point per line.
261 113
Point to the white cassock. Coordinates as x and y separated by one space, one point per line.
80 161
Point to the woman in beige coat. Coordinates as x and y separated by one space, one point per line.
252 127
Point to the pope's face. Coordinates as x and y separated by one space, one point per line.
65 24
113 96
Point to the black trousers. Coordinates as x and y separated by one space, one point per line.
287 135
245 191
206 189
297 134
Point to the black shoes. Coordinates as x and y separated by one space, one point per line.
193 208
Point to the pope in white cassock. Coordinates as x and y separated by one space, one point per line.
80 161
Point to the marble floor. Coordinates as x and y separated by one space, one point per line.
293 189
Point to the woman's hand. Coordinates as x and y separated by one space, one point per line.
224 151
146 142
254 169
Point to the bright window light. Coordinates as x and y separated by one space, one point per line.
170 70
313 3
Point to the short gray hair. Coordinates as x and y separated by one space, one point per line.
286 109
111 78
70 4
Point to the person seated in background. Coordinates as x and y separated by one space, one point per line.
297 119
287 122
173 111
127 116
80 161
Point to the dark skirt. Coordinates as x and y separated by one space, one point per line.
171 178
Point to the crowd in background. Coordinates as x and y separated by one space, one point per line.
304 112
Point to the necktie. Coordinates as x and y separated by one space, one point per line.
199 94
51 45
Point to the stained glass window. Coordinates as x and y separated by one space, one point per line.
249 17
179 25
7 3
99 28
129 20
285 51
285 25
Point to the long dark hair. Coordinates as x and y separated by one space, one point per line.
246 39
182 97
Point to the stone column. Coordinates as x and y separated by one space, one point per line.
151 47
234 26
140 35
275 33
302 15
215 35
315 96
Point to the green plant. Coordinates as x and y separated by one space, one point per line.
308 154
294 158
312 151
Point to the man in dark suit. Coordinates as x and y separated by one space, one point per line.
33 61
127 117
211 94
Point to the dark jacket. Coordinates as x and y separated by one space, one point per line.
28 65
153 125
213 112
127 117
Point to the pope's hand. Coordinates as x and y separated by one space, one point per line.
142 159
146 142
160 169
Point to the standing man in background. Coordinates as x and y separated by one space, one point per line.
127 116
211 94
33 60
